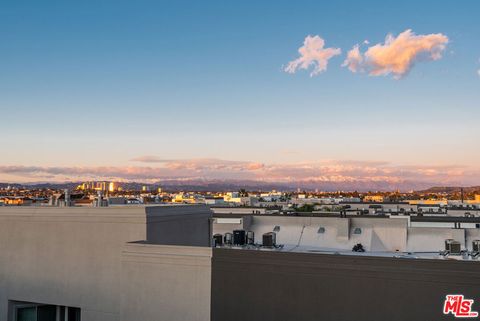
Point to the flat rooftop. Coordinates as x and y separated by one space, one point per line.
380 236
331 251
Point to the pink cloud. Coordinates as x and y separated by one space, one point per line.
313 53
354 60
397 55
355 173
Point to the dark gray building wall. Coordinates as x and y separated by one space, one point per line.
188 225
261 286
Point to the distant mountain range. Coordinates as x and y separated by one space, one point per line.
232 185
451 189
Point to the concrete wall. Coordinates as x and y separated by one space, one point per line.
162 282
66 256
238 210
264 285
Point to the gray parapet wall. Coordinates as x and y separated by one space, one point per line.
188 225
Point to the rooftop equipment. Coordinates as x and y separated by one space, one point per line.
228 238
358 248
452 246
476 246
239 237
217 240
250 238
269 239
475 249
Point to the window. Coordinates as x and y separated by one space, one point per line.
27 311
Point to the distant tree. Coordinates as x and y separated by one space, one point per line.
306 208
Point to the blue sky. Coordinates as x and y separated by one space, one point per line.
99 83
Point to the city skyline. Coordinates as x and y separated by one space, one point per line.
150 91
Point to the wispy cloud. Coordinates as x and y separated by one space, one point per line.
149 159
201 164
313 54
397 55
360 174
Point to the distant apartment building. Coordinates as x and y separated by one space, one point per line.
373 198
16 200
214 200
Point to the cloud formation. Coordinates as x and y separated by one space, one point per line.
359 175
397 55
313 53
354 60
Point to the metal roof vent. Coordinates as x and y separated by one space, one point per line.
357 231
276 229
321 230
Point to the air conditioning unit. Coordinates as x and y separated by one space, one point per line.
228 238
217 240
452 246
269 239
239 237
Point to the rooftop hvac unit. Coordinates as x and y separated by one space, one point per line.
239 237
228 238
452 246
476 246
250 238
217 240
269 239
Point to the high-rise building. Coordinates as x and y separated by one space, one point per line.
112 187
